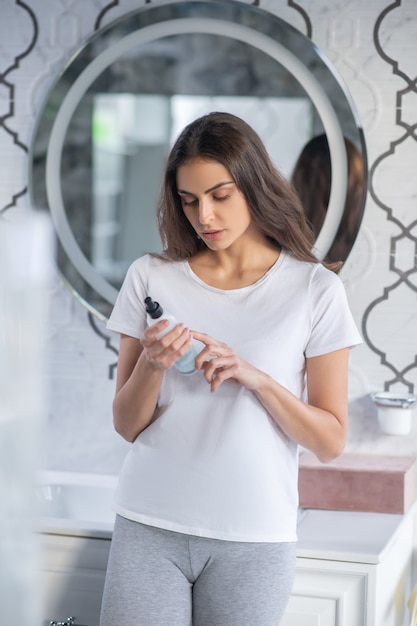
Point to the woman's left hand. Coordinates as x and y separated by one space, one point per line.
220 363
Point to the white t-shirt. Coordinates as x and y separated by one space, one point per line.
216 464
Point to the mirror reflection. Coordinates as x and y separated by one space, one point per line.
128 160
312 176
103 177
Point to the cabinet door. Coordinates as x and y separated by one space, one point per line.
72 578
327 593
72 593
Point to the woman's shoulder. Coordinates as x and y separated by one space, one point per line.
305 267
137 268
147 260
151 262
316 274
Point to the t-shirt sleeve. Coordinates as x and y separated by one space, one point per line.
128 316
332 323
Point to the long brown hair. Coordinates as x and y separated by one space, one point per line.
311 178
274 205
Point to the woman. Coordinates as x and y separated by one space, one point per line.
206 505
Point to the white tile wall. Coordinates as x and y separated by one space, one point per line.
365 50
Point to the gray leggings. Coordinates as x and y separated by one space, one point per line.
158 577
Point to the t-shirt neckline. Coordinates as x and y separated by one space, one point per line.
258 282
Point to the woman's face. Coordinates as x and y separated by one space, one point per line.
212 203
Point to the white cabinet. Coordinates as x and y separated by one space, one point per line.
326 594
353 569
72 578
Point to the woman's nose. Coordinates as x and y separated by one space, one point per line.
205 212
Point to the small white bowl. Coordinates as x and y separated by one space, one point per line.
394 411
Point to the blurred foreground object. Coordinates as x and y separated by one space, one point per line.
26 244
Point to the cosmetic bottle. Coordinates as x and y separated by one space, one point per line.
186 363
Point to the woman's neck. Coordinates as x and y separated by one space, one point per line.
227 269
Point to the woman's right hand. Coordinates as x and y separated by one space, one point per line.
162 352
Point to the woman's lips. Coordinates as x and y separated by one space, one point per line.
210 235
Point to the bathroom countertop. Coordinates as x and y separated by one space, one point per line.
76 505
352 536
75 528
348 535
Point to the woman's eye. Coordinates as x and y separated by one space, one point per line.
195 201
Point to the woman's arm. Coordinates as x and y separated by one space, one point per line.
319 425
140 371
137 388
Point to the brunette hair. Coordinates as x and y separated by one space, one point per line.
273 203
311 179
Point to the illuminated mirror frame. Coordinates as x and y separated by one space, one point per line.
222 17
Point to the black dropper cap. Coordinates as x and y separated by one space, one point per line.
153 308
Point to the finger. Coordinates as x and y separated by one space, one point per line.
203 358
203 337
184 342
214 367
151 337
174 337
169 348
152 331
207 340
211 352
223 374
176 346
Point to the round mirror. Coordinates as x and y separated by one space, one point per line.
108 123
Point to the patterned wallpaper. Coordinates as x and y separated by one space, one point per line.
373 47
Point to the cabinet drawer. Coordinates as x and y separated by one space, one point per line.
309 611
